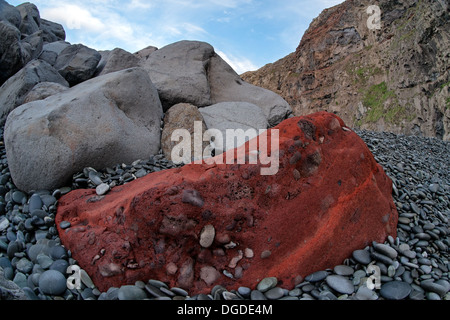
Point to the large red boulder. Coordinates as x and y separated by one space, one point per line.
201 225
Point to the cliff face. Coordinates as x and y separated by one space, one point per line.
395 78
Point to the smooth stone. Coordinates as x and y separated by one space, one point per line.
129 292
433 296
48 200
93 176
52 282
35 202
179 291
267 284
244 291
207 236
44 261
257 295
362 256
433 187
343 270
86 280
60 265
395 290
58 252
102 189
274 293
386 250
340 284
365 293
4 224
154 291
65 225
13 248
20 279
429 285
24 265
19 197
316 276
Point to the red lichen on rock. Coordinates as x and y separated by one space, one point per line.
329 198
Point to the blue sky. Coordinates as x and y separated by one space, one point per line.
247 33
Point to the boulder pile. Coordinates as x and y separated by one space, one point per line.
67 106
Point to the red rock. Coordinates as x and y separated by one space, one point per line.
329 198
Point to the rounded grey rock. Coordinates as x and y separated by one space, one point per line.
340 284
316 276
395 290
52 282
385 250
35 203
131 293
274 293
362 256
267 284
244 291
64 225
257 295
343 270
102 189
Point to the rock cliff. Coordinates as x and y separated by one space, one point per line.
393 78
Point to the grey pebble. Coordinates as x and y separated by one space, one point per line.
129 292
257 295
24 265
340 284
274 293
430 285
102 189
395 290
64 225
52 282
244 291
385 250
362 256
44 261
343 270
267 284
316 276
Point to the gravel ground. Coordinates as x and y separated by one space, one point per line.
413 266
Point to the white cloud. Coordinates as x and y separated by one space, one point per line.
139 4
74 17
239 64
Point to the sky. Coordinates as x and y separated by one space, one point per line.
248 34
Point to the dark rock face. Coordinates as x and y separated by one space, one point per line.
394 78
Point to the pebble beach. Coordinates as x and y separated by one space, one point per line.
412 266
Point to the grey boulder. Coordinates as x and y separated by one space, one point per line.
16 52
116 60
10 13
44 90
179 72
14 91
111 119
77 63
52 31
227 85
234 116
31 19
51 51
192 72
